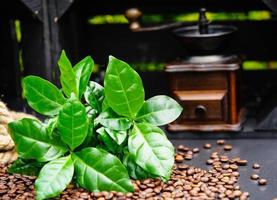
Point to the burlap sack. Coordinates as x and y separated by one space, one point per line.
7 148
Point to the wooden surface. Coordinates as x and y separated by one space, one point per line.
255 149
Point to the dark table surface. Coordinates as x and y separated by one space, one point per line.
254 147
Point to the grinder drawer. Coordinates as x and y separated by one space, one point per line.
203 106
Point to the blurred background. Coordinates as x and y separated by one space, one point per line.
33 32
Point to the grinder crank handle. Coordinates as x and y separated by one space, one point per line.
133 15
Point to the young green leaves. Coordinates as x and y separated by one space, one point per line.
159 110
151 150
42 96
73 123
54 177
98 135
150 153
123 88
74 80
32 141
103 171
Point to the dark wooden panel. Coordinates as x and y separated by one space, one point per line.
14 9
9 62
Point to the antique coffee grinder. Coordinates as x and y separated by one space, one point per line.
204 83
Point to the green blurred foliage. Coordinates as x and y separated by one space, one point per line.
259 65
187 17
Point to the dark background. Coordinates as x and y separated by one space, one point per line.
48 26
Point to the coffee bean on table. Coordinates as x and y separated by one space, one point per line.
207 146
224 159
225 166
209 162
195 150
256 166
180 147
236 174
237 193
227 147
241 162
183 166
220 142
254 177
234 167
179 158
188 157
262 181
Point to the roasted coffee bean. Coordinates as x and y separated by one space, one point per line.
195 150
157 189
147 181
179 158
224 159
188 157
227 147
180 147
209 162
213 156
262 181
183 148
225 166
236 174
187 187
237 193
256 166
207 146
233 167
254 177
220 142
183 166
241 162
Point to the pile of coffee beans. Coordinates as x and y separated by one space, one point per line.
15 186
219 181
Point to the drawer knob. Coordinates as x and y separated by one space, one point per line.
200 111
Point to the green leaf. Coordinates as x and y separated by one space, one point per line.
26 167
151 150
83 71
32 141
109 143
123 88
134 170
94 95
97 170
51 125
117 136
105 105
73 123
111 120
91 113
67 78
90 140
159 110
42 96
54 177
